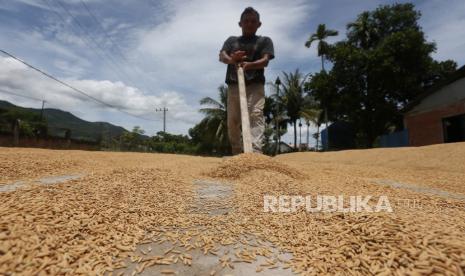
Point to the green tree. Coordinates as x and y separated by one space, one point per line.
384 63
171 143
216 114
31 124
133 140
321 35
293 98
312 115
275 114
361 28
212 132
439 71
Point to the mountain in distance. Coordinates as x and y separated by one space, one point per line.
58 121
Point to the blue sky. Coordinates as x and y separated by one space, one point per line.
146 54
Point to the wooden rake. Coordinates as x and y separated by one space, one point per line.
246 134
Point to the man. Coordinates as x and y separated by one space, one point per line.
252 53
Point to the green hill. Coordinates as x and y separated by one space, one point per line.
58 121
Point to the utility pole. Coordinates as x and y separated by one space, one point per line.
42 110
327 129
277 150
164 109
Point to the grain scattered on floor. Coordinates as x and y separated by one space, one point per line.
93 225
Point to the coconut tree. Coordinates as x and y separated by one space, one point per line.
278 112
321 35
312 115
293 98
362 31
269 114
215 121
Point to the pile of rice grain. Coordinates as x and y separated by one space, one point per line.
237 166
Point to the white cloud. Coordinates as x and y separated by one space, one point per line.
10 5
184 49
443 23
175 62
18 78
41 4
173 53
36 48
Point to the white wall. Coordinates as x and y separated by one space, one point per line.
449 94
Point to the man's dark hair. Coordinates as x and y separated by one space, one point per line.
250 10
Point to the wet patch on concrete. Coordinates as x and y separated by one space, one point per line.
212 197
59 178
246 256
173 259
12 187
419 189
42 181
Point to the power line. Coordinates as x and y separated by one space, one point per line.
98 52
86 41
74 19
98 44
119 108
89 38
108 37
28 97
103 29
19 95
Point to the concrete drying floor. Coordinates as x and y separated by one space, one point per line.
77 212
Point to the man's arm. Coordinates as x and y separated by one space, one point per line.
258 64
267 53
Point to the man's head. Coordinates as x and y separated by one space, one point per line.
250 21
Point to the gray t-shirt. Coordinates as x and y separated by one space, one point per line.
255 47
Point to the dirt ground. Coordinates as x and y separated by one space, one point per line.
109 213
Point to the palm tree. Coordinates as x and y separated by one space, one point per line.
215 121
323 47
293 98
269 114
312 115
361 29
321 34
278 112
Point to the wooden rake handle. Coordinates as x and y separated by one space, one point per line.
246 134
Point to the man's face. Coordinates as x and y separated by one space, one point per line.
249 24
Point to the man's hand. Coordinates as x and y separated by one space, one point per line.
235 58
258 64
246 65
238 56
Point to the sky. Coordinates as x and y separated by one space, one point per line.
144 55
